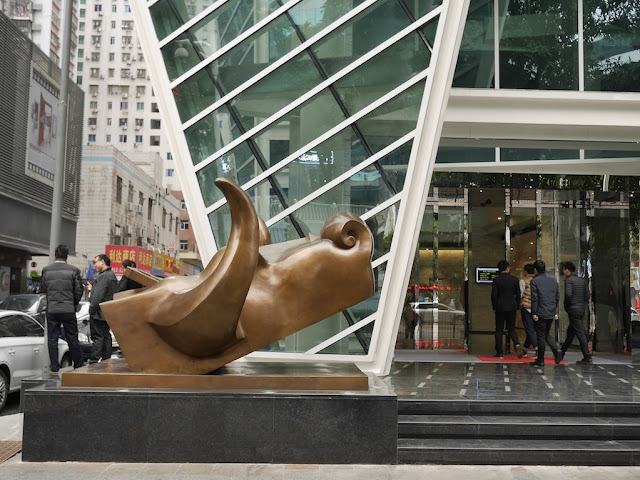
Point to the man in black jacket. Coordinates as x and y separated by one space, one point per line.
126 283
102 290
505 300
545 297
63 284
576 296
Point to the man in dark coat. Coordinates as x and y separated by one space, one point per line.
63 284
102 290
126 283
505 300
576 296
545 296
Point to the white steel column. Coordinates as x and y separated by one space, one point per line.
423 154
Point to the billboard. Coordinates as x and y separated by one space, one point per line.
148 261
42 144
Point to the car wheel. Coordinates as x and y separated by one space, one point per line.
66 361
4 389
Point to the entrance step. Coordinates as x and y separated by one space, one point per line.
528 433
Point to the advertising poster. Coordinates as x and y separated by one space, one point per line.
40 162
158 264
120 253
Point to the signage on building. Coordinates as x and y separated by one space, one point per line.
40 162
120 253
486 274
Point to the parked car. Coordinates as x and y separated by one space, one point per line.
84 331
35 304
23 352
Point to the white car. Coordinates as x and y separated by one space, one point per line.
23 352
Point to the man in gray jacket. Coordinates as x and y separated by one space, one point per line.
576 296
102 290
64 291
545 296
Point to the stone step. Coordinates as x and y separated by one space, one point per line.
518 452
517 408
533 428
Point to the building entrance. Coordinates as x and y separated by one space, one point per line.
465 232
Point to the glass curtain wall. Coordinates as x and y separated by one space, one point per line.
310 106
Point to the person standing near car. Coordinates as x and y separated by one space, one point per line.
505 300
102 290
576 296
545 296
63 285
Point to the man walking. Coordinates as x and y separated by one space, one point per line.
102 290
576 296
505 300
545 296
63 284
525 307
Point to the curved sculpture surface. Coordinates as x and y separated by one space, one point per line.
250 295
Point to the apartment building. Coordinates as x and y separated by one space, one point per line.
43 23
120 107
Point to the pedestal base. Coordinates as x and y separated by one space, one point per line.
92 424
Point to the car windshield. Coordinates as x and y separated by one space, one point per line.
17 302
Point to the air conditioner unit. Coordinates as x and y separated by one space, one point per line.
139 208
99 29
94 111
137 95
127 230
124 127
87 58
134 59
115 230
131 45
99 14
101 77
125 95
124 112
137 129
94 94
97 45
135 145
128 62
130 207
93 127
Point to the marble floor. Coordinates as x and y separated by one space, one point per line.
502 380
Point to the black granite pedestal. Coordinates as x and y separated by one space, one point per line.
210 426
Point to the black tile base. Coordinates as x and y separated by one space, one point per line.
109 425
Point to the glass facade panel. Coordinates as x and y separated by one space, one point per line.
395 164
394 119
610 154
465 155
524 154
219 28
611 45
476 65
539 44
386 71
382 226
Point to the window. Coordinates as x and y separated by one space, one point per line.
141 73
79 79
154 108
95 56
139 122
126 57
93 90
108 122
80 66
92 121
113 24
140 106
109 105
112 56
95 73
127 24
92 138
118 189
108 138
81 27
140 198
150 209
80 52
184 224
112 72
140 89
97 23
127 9
123 122
124 105
169 172
169 156
93 105
154 140
83 13
183 205
112 40
126 40
81 40
125 73
155 124
130 193
95 39
164 218
123 139
139 139
97 8
184 245
141 57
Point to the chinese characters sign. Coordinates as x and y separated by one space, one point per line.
146 260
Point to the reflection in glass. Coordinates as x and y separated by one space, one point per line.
611 46
524 154
476 66
539 44
395 164
382 226
465 155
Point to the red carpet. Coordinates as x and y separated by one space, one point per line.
514 359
